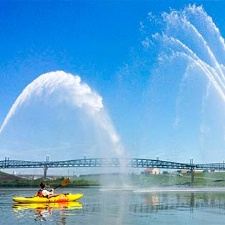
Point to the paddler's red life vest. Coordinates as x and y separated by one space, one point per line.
39 193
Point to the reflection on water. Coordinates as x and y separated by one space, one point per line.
156 201
44 211
177 201
54 205
183 205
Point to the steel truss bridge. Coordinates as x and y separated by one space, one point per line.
109 162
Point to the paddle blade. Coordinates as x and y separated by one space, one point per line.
65 182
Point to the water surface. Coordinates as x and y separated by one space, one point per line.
129 206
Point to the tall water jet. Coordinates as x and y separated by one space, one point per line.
65 90
190 67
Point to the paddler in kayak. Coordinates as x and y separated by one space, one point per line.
43 192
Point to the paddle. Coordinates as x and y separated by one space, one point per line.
63 183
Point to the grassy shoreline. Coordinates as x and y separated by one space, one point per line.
216 179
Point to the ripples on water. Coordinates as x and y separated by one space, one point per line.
120 206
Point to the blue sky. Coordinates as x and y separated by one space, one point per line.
157 99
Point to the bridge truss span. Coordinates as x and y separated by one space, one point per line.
96 162
110 162
151 163
210 166
9 164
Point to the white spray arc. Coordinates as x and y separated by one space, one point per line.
76 93
198 48
191 35
191 68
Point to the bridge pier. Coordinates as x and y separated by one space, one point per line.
192 176
45 172
46 167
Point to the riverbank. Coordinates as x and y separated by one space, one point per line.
8 180
215 179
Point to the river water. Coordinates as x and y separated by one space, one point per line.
125 206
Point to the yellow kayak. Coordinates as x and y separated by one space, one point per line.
60 198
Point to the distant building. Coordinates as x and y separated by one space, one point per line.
183 171
152 171
198 171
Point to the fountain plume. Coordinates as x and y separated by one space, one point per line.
71 90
